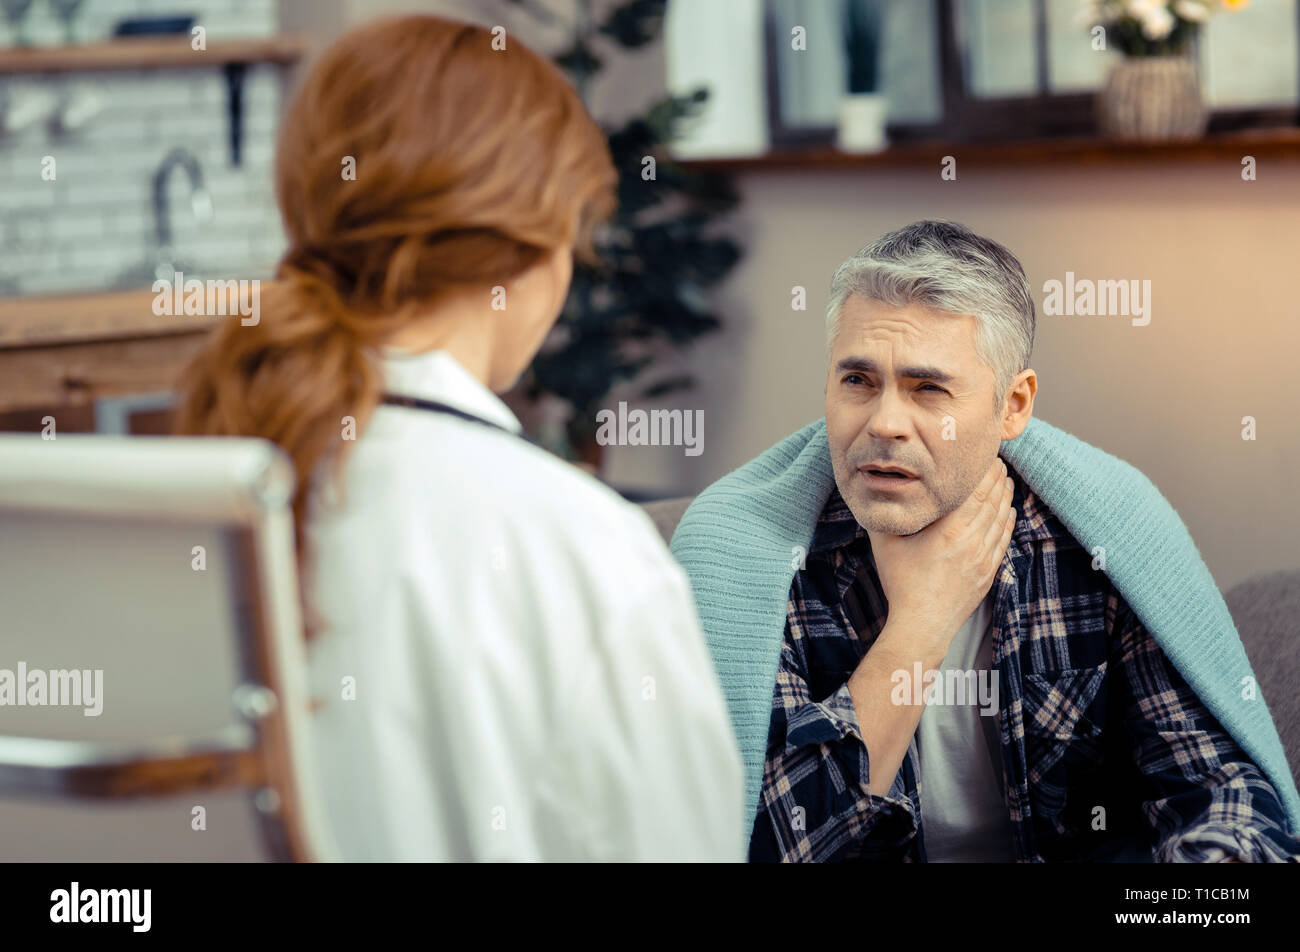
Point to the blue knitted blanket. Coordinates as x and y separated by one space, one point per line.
741 538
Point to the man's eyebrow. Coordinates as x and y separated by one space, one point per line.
863 365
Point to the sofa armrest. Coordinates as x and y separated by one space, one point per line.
666 513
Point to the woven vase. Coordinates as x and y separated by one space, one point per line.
1152 99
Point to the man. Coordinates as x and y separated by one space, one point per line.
957 681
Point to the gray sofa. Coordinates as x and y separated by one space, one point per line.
1266 609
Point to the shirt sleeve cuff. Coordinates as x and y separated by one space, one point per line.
1220 844
821 722
889 826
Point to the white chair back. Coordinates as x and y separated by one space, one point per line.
152 672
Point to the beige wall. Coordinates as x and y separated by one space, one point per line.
1221 254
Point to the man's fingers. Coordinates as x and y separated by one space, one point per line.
989 484
1004 539
988 500
999 526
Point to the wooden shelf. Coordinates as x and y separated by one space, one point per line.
169 52
48 320
1277 143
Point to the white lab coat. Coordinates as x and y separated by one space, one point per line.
512 667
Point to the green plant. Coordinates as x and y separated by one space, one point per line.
658 255
862 44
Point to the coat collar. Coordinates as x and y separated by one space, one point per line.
437 375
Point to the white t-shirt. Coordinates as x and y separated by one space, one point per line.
964 818
512 667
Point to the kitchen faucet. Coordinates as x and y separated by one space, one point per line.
200 204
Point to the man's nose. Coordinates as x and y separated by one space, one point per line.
888 419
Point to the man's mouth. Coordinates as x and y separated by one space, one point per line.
889 470
888 476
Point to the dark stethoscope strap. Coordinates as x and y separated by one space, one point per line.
433 406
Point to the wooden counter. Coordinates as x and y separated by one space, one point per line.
74 349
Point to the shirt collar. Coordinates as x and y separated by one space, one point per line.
437 375
837 527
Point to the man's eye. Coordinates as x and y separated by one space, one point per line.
930 386
854 379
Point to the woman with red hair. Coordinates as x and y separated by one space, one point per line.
508 661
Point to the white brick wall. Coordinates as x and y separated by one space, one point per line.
94 224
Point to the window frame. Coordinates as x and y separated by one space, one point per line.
970 118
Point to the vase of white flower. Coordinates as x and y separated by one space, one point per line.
1152 99
1154 93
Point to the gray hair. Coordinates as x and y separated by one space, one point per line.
944 266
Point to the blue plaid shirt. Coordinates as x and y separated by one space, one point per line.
1091 715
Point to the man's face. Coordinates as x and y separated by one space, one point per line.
906 388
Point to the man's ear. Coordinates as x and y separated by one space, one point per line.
1019 406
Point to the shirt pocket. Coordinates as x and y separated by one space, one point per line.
1064 712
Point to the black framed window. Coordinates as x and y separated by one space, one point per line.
970 70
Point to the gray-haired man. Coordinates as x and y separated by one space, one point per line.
932 555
